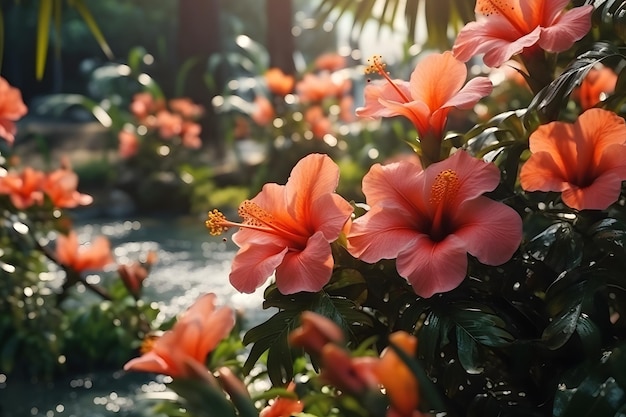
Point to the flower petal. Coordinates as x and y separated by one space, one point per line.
568 28
333 212
433 267
387 185
379 89
307 270
491 231
603 192
436 79
253 264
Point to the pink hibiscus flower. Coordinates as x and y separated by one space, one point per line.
430 219
24 189
435 87
71 254
12 108
61 186
182 351
506 27
584 160
288 229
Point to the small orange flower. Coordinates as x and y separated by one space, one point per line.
60 185
186 108
315 88
83 258
144 105
181 352
330 62
169 124
263 112
23 189
278 82
190 133
128 144
596 86
12 108
315 332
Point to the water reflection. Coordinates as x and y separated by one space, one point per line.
190 263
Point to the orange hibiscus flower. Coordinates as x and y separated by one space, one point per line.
584 160
278 82
596 86
428 220
435 87
128 144
71 254
288 229
24 189
181 351
12 108
60 185
506 27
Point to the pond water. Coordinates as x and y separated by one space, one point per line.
190 263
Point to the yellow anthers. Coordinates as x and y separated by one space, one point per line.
253 215
215 222
147 344
376 65
446 185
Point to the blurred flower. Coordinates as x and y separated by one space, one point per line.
330 62
596 86
346 109
504 29
315 332
436 86
283 406
181 352
429 220
317 87
12 108
354 375
263 112
186 108
242 128
128 144
319 124
70 254
584 160
144 105
24 189
190 133
401 385
278 82
61 186
169 124
288 229
133 274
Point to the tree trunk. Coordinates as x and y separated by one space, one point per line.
198 39
280 41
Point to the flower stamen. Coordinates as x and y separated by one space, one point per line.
216 222
446 185
376 65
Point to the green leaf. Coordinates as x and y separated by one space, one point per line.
79 5
559 246
203 400
43 34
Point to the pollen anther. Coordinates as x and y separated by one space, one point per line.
215 222
446 185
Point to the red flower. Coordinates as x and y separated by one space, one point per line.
429 220
506 27
60 185
585 161
288 229
181 351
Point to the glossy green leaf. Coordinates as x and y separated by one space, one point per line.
43 34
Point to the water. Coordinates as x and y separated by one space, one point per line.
190 263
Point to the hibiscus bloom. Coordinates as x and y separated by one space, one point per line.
12 108
506 28
596 86
315 88
278 82
430 219
182 350
263 112
71 254
283 406
186 108
24 189
61 186
128 144
435 87
288 229
584 160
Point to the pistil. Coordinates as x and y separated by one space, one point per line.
376 65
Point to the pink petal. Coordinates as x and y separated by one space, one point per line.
433 267
569 28
387 185
491 231
149 362
253 264
416 111
335 213
471 93
380 89
541 173
436 79
382 233
307 270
